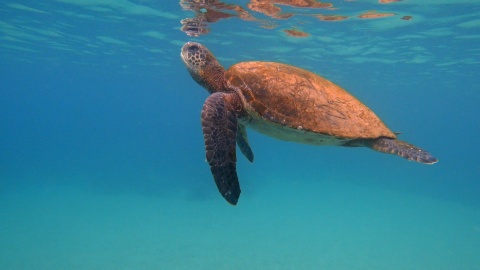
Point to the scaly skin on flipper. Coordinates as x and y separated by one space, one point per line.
403 149
242 142
219 125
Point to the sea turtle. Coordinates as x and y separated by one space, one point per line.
284 102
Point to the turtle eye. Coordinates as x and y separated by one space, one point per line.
193 49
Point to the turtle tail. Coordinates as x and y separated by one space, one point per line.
403 149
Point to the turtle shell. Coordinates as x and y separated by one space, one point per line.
280 98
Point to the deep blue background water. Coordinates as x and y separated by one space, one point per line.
102 159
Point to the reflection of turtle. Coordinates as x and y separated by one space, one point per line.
284 102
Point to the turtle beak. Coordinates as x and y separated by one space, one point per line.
183 53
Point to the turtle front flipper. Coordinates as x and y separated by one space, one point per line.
219 125
403 149
242 142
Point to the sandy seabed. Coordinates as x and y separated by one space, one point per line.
329 226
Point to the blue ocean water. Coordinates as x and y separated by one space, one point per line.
102 162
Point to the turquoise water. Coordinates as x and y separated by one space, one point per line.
102 161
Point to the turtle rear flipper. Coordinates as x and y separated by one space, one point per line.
403 149
219 125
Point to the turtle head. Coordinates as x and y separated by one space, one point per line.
203 66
